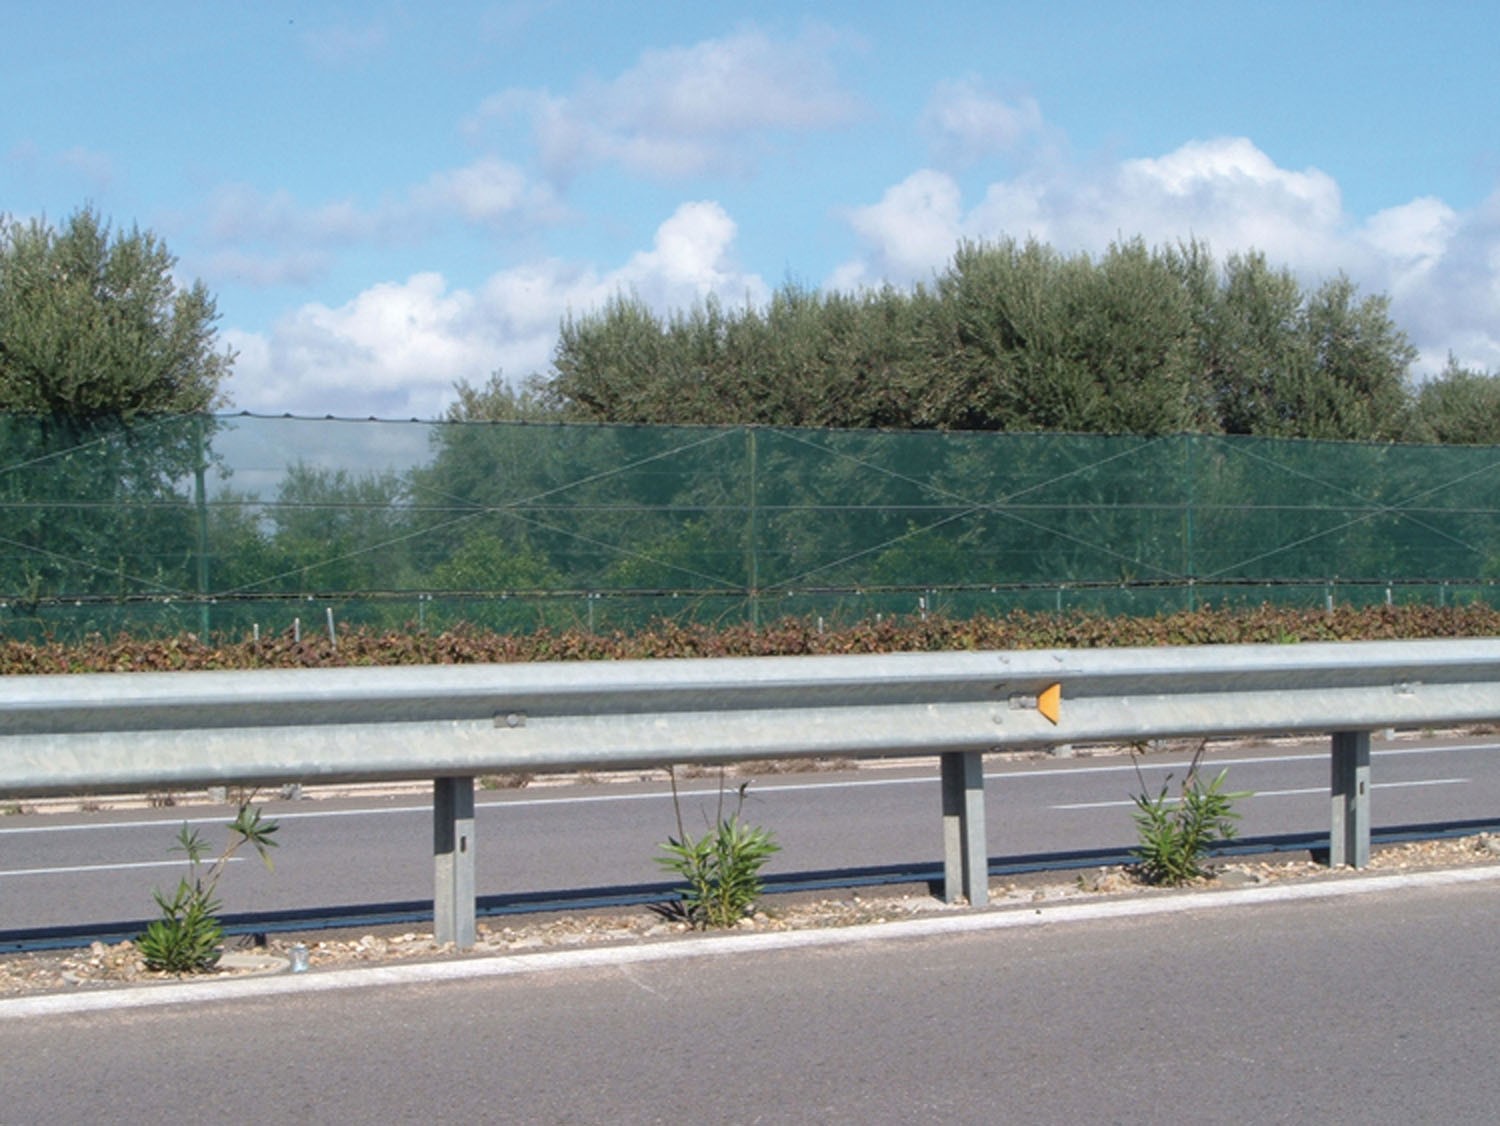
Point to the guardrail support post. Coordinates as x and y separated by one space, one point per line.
1349 837
453 853
966 865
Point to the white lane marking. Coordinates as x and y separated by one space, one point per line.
76 868
1436 750
717 946
375 811
1313 757
1279 793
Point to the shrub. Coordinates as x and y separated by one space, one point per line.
186 938
720 868
1175 835
1016 630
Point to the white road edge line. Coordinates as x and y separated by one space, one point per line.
505 965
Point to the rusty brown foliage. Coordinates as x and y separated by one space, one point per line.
791 636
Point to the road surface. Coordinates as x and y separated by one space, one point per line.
97 868
1370 1008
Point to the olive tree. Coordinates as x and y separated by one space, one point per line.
1459 407
107 369
93 324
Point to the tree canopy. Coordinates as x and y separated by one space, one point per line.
107 370
93 325
1459 407
1012 336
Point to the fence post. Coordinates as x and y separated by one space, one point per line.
200 505
752 532
453 854
1349 836
966 865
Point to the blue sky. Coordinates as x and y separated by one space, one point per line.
390 197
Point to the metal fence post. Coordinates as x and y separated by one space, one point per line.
453 853
1349 836
965 859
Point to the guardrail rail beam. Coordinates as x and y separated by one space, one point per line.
127 732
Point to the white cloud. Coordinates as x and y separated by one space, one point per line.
1443 271
509 22
910 232
272 238
488 192
1228 191
294 267
734 85
240 213
1441 268
683 111
396 349
964 122
690 259
1224 191
94 170
1417 232
391 347
342 43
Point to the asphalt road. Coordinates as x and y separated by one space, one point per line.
97 868
1375 1008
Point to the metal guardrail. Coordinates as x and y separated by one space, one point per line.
114 732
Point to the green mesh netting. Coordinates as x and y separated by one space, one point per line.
230 524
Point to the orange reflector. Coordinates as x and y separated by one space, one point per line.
1049 701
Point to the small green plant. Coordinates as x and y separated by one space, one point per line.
186 938
1176 834
720 868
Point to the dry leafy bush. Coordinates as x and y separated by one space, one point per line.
790 636
512 780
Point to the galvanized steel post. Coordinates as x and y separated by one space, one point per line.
966 865
453 853
1349 836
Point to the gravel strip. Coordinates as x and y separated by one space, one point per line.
103 967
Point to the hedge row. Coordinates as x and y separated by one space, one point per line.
1019 630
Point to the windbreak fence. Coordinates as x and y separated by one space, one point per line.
229 524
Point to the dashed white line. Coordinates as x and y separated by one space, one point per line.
1279 793
74 868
